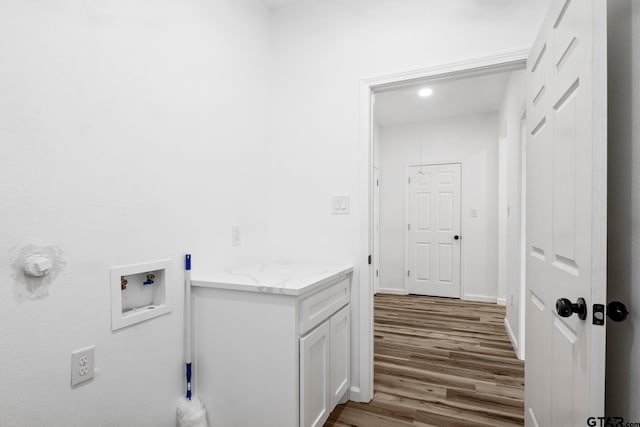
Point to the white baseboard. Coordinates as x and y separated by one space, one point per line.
512 337
392 291
354 394
346 396
479 298
502 301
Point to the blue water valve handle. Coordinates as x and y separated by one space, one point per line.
187 262
188 372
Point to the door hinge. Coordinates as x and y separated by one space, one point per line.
369 259
377 273
377 183
409 180
408 273
409 227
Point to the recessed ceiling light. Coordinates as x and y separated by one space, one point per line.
425 92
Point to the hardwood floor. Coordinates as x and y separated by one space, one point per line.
439 362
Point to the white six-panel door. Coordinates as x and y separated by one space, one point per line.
433 252
566 214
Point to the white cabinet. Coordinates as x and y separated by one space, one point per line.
324 368
318 307
340 344
272 345
315 395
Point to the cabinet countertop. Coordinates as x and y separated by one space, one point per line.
282 278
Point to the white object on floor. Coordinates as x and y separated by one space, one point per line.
191 413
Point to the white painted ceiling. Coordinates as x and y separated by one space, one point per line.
277 3
472 95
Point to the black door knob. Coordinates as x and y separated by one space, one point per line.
617 311
565 308
456 237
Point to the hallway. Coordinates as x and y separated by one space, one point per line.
439 362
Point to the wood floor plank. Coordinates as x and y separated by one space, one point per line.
439 362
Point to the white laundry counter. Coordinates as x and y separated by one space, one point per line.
272 343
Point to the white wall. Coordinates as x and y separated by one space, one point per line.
470 140
129 132
623 339
513 105
322 50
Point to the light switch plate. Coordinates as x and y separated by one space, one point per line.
340 205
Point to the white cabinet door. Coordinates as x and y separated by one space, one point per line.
340 354
314 377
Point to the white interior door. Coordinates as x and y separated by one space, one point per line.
433 230
566 214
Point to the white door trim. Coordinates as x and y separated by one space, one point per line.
599 230
523 232
376 232
506 61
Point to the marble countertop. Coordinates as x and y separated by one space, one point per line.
283 278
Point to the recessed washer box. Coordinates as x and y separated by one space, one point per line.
138 293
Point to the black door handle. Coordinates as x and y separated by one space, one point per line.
456 237
617 311
565 308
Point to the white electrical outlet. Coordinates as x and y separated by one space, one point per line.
82 365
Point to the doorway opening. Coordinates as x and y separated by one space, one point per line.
412 148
